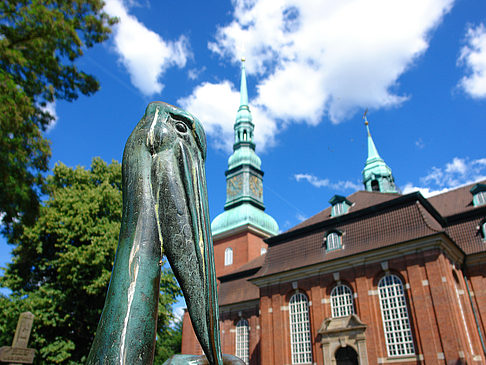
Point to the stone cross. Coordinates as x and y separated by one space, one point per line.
18 352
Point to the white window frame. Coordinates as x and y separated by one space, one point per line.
333 241
341 301
300 336
263 251
228 256
394 315
339 209
480 198
243 340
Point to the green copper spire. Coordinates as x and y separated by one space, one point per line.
243 126
244 177
372 151
377 176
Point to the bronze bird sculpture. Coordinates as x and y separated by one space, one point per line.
165 211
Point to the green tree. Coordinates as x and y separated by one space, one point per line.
62 264
169 342
39 42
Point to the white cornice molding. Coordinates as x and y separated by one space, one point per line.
243 228
439 240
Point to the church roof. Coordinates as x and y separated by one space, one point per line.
454 201
377 226
376 221
237 291
235 287
359 200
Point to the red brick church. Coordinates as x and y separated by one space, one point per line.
377 277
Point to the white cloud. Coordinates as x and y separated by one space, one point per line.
473 56
145 55
51 109
178 311
194 73
420 143
300 217
458 172
215 105
319 58
426 192
319 183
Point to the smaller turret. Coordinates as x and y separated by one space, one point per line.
377 176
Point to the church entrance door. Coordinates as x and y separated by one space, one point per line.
346 356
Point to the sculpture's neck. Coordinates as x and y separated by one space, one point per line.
132 299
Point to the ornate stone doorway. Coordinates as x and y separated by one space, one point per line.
343 341
346 356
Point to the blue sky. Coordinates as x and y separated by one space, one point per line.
313 68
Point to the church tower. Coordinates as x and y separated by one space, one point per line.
377 176
239 231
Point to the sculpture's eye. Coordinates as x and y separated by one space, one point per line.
181 127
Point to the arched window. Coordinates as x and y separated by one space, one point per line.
341 301
395 316
333 241
483 229
300 339
243 340
263 251
228 256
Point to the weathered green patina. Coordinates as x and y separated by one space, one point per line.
165 211
244 178
377 175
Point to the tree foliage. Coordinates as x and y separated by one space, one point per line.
62 265
168 343
39 42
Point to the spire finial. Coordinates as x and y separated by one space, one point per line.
364 116
243 90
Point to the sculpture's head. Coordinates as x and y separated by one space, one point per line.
168 125
176 143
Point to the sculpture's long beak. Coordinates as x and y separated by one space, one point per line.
188 244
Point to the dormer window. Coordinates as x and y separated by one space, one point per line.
482 229
333 241
479 194
340 205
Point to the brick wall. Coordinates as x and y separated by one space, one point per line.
246 247
437 324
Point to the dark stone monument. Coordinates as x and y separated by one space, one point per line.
165 211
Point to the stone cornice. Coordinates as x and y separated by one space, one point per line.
240 306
